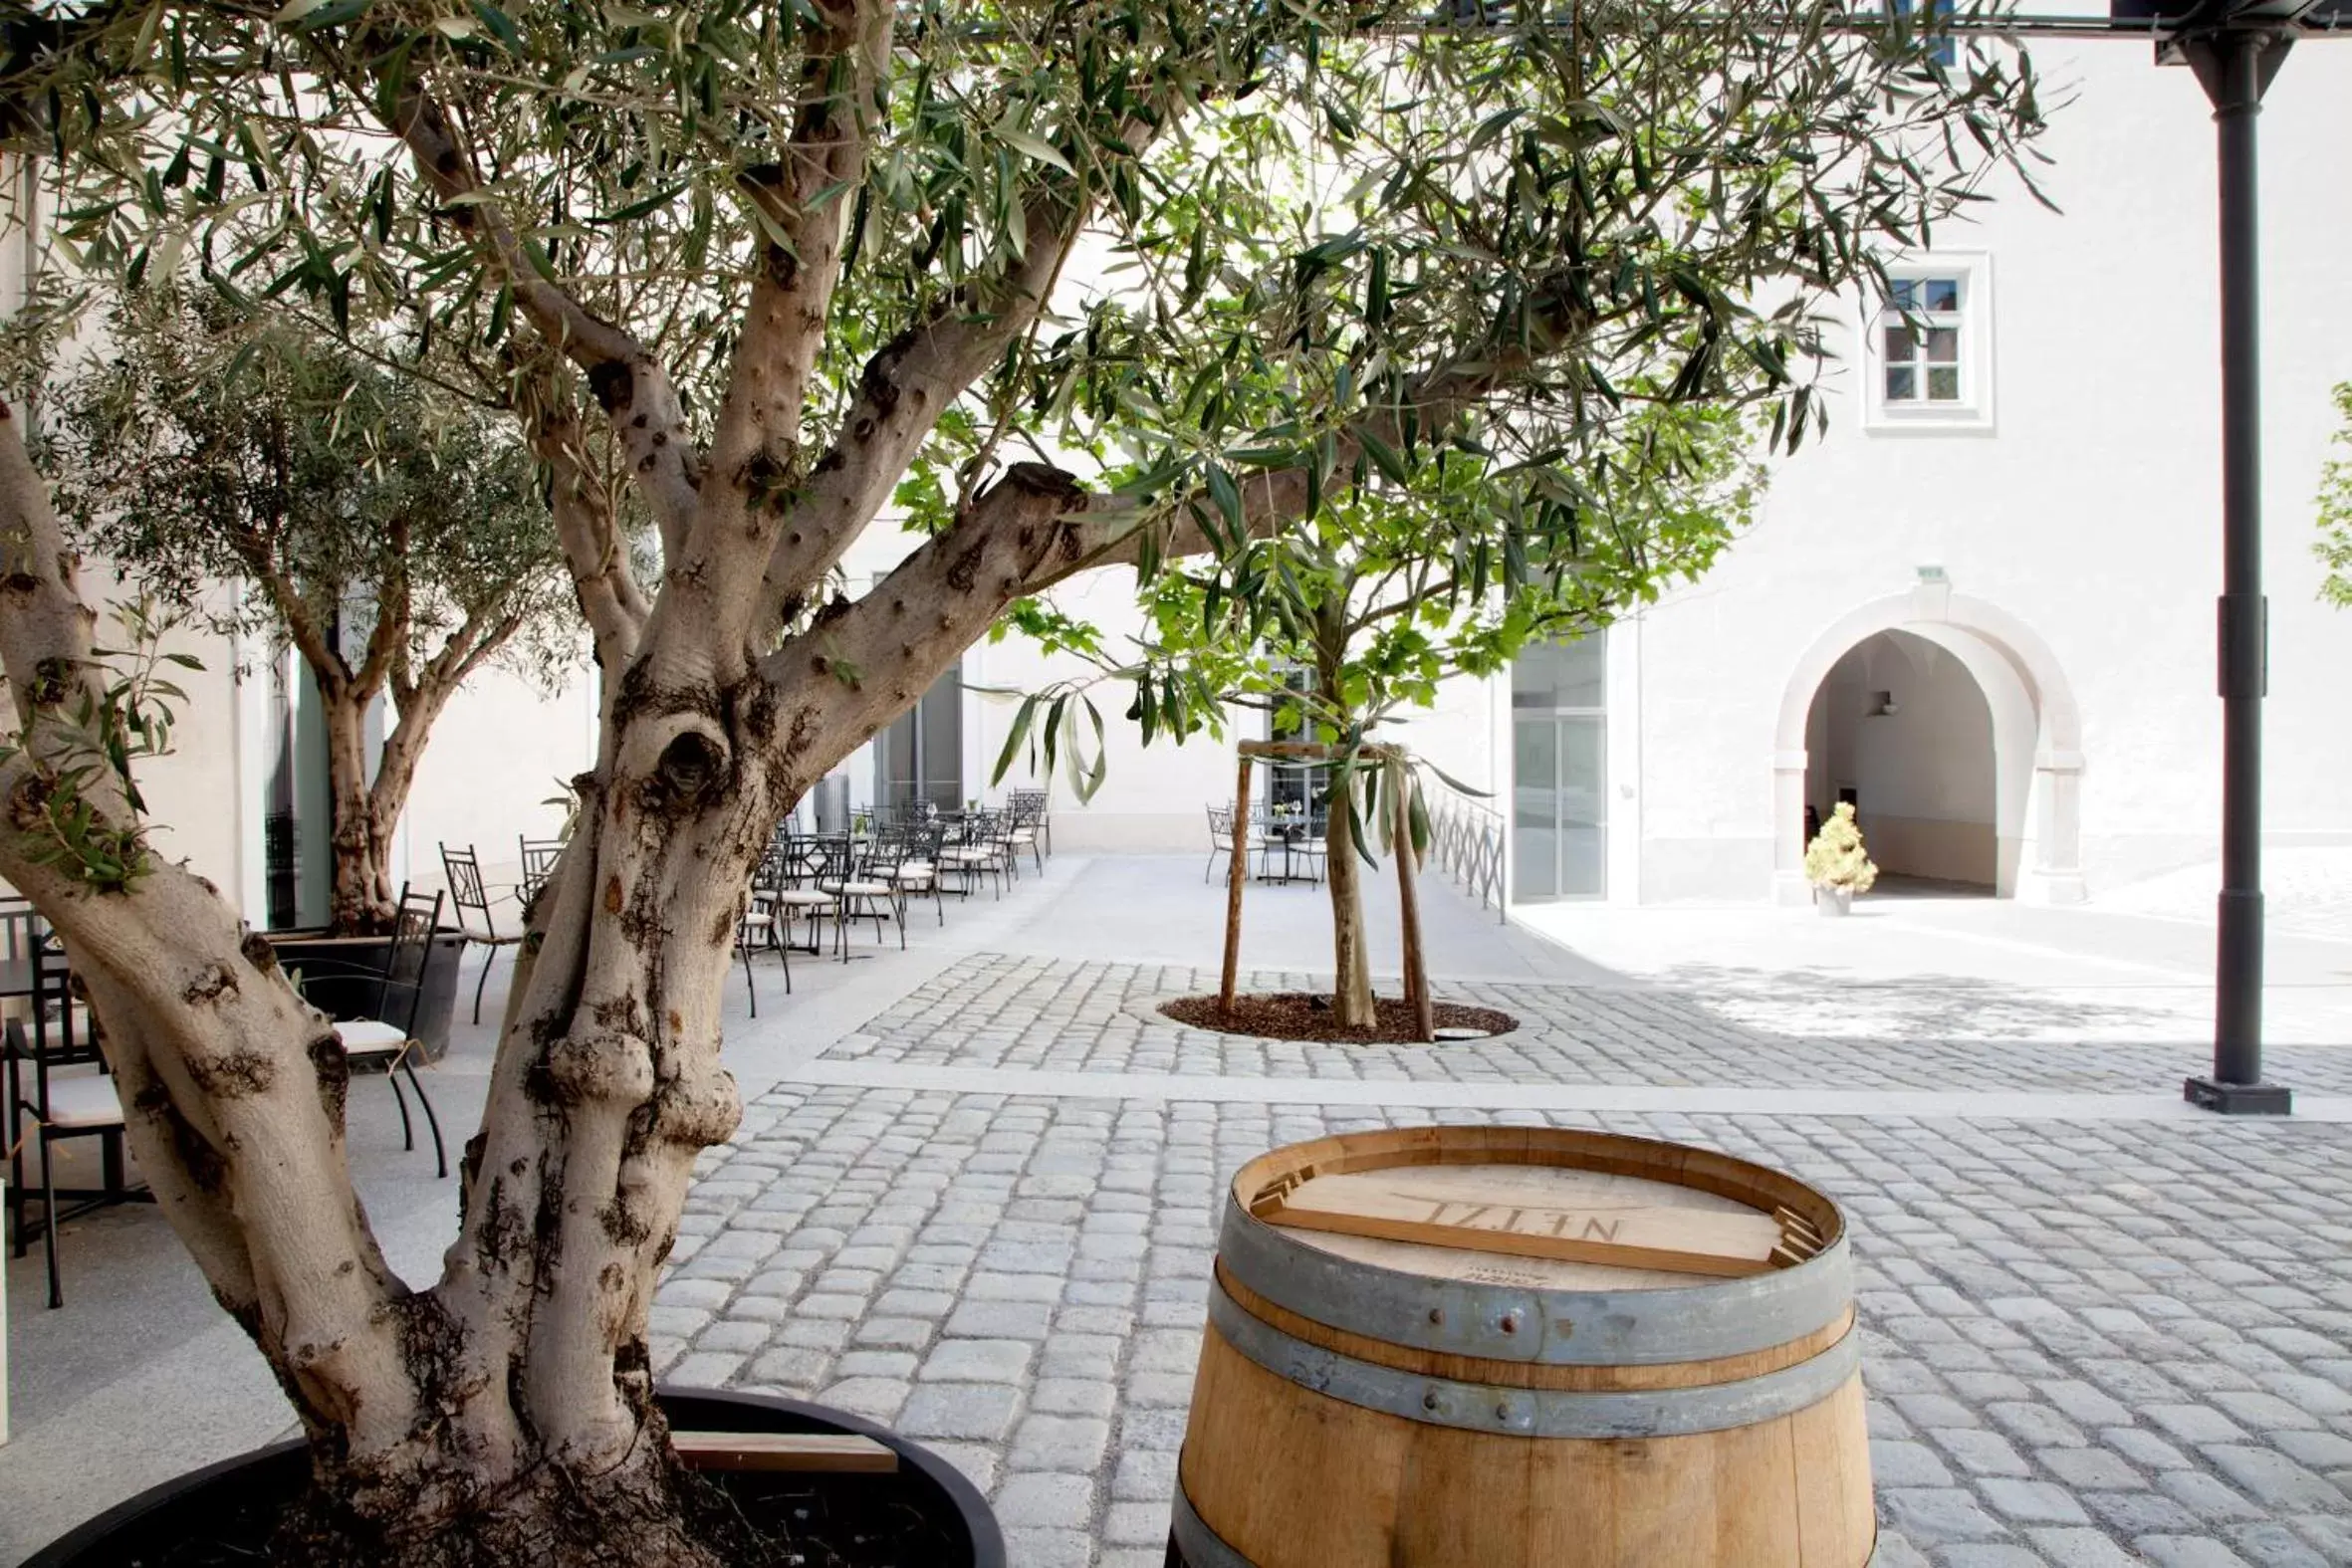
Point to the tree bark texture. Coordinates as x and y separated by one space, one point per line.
361 894
1351 958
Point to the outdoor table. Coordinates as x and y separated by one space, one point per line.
1290 835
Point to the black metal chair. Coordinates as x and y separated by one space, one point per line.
874 891
539 863
848 876
1031 826
71 1094
471 900
918 867
1221 841
764 911
969 852
793 864
365 1041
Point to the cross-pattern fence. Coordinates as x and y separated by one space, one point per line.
1465 842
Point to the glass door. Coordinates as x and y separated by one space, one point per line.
1559 772
920 756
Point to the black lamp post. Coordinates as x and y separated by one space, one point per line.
2235 47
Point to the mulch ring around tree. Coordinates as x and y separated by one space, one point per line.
1308 1016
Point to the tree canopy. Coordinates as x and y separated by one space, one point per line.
381 523
395 536
1091 282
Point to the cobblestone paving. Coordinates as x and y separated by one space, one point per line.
1000 1012
2086 1345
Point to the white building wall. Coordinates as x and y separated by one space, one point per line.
501 750
2088 514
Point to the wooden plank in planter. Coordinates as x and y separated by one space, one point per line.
783 1451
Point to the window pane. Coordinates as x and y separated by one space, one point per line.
1560 675
1944 384
1900 294
894 761
1939 293
1902 383
1535 815
941 713
1583 807
1902 343
1944 345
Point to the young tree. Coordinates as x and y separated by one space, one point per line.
768 249
384 526
1386 593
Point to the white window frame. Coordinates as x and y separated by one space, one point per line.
1973 414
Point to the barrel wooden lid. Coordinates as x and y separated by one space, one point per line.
1486 1217
1562 1245
1491 1224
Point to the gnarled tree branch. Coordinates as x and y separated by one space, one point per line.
632 386
586 527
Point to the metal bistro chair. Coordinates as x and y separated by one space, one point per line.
539 863
792 863
968 852
71 1093
379 1040
755 927
861 886
768 912
471 900
1032 825
918 866
1221 841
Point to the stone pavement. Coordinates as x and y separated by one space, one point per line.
975 1189
2088 1339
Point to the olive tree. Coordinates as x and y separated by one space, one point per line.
1383 594
377 520
778 254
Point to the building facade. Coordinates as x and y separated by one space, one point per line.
1982 608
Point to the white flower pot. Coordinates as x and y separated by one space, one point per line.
1834 901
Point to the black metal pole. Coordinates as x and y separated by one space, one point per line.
2234 68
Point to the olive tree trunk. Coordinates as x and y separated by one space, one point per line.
1351 954
366 797
360 892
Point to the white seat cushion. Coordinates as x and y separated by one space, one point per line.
867 889
84 1102
912 876
804 898
369 1037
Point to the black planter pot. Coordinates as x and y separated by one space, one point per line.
342 976
196 1504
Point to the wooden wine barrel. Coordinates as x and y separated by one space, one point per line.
1503 1347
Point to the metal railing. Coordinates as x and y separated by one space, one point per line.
1465 842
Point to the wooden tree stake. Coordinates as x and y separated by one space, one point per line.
1236 872
1409 906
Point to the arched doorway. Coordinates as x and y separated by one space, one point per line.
1900 728
2029 708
